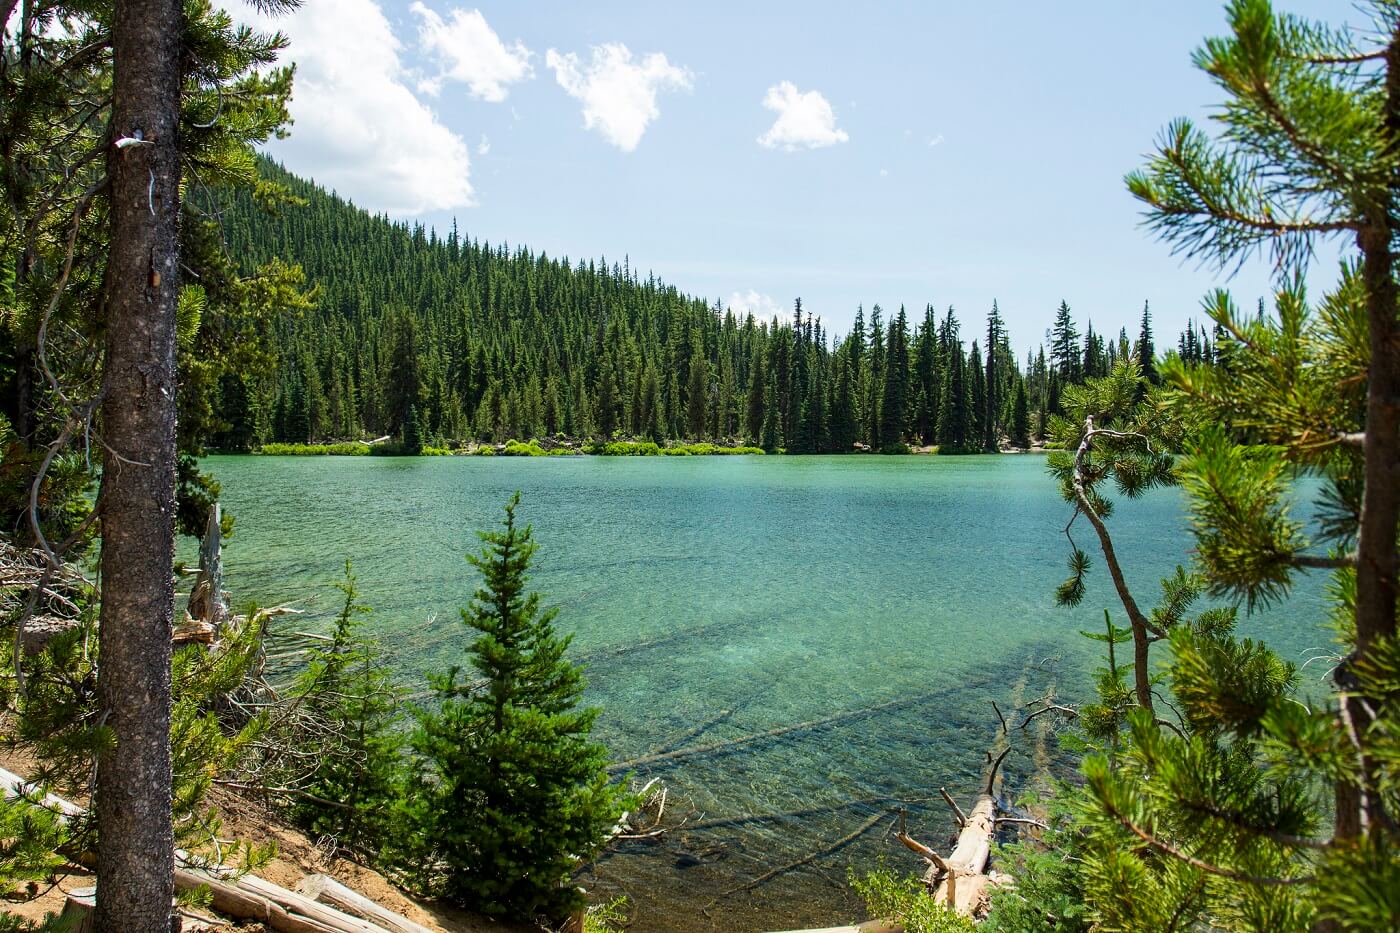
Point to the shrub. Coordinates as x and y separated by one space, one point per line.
905 900
342 449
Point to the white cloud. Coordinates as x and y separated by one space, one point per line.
618 95
468 50
753 302
884 172
805 119
483 147
358 128
936 141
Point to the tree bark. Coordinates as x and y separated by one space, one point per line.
135 858
1359 807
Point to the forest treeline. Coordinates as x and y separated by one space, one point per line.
438 339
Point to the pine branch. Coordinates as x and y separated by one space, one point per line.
1168 849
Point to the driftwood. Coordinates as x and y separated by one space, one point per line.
251 898
329 891
245 897
960 880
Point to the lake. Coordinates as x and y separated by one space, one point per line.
880 604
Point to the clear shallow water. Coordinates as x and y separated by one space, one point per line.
714 598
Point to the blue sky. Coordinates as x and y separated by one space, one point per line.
754 152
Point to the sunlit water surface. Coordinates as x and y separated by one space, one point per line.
714 598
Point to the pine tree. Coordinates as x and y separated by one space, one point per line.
991 430
926 374
412 432
518 796
843 411
697 395
894 398
953 426
873 389
976 401
1064 346
1258 810
1146 352
357 753
136 839
756 406
608 402
772 436
404 388
1020 418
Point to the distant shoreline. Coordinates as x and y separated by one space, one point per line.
535 448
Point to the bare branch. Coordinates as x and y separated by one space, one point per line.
1317 562
957 811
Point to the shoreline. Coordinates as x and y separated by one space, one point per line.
534 448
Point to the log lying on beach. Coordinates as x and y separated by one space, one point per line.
245 897
327 890
961 880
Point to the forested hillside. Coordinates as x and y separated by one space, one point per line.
461 339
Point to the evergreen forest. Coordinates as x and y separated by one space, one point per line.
427 339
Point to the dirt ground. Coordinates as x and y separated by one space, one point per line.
249 820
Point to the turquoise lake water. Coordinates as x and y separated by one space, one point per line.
714 598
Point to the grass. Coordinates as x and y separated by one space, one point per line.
650 449
512 448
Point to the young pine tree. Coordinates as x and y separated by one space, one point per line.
518 797
359 750
412 432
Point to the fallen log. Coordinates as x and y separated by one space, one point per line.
810 725
725 822
266 903
326 889
245 897
679 741
810 857
960 880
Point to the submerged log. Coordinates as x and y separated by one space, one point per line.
810 857
810 725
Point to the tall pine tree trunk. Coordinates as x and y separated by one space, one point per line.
1360 807
135 859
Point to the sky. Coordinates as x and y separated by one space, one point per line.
892 153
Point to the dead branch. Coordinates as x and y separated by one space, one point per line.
957 810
